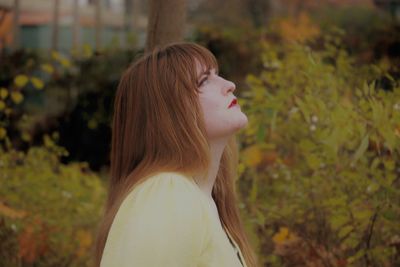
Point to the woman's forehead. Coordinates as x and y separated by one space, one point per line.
201 68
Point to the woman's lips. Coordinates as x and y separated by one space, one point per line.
233 103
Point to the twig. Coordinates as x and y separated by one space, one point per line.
368 236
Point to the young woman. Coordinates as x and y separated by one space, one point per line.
171 199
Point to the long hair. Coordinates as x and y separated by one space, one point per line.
157 123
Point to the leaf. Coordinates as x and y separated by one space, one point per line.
281 236
313 161
21 80
375 163
362 214
352 241
298 29
254 190
273 120
3 133
252 156
55 55
356 256
389 164
270 157
344 231
87 50
338 220
26 136
261 133
10 212
92 124
260 217
37 83
366 89
17 97
361 149
390 215
33 243
3 93
65 62
303 108
85 241
27 245
372 188
47 68
2 105
306 145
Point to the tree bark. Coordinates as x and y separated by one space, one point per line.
55 31
131 18
132 13
135 14
76 25
16 12
98 30
166 22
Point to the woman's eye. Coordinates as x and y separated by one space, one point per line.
203 80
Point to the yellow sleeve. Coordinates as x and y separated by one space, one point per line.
164 225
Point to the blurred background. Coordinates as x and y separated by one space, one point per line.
319 171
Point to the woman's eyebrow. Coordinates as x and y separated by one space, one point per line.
206 72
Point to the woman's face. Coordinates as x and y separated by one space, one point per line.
222 113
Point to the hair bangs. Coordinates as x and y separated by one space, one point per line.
205 59
191 55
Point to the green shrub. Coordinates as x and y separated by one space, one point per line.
320 160
25 98
71 94
48 211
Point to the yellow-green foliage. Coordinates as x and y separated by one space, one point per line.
30 78
320 160
48 211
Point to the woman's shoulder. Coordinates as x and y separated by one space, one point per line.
166 202
164 182
169 178
169 190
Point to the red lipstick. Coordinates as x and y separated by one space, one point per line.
233 103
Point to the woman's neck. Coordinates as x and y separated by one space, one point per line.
206 181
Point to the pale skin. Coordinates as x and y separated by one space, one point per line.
221 120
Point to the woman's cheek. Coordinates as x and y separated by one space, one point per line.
208 104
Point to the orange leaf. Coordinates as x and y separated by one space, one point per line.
299 29
85 241
27 245
397 131
33 243
11 213
270 157
252 155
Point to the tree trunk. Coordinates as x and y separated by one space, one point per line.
55 30
166 22
98 31
76 25
16 11
131 18
132 12
135 14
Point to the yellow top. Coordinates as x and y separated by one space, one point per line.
167 221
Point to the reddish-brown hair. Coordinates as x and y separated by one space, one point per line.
158 126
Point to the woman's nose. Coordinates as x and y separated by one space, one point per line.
229 87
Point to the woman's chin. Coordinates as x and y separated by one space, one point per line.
243 121
223 130
239 124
